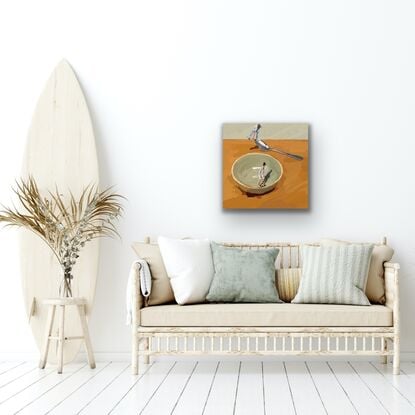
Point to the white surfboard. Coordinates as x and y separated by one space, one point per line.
60 152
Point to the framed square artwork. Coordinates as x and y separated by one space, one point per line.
265 166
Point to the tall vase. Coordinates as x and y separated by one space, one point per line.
65 287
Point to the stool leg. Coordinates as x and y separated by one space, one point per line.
84 325
61 339
48 333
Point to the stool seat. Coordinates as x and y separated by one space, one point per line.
65 301
61 304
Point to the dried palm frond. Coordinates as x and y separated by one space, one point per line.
65 224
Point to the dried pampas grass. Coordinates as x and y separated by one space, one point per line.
65 224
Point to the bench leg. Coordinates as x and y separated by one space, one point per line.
396 355
134 351
144 347
48 333
384 359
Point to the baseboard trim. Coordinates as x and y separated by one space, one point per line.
126 356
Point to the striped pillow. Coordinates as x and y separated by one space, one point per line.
287 281
334 274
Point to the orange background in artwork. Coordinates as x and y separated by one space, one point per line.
292 189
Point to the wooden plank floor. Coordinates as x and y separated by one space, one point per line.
206 387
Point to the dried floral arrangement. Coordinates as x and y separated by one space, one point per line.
65 225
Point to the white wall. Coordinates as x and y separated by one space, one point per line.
161 76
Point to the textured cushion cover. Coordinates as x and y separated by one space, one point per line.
243 275
189 266
334 274
161 291
266 315
375 287
288 281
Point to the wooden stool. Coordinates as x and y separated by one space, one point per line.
80 303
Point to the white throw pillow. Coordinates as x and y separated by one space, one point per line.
189 266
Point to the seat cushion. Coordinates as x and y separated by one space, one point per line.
266 315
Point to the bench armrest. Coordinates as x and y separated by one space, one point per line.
137 299
392 290
392 265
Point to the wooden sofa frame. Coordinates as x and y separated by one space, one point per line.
298 341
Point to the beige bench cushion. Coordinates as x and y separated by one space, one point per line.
266 315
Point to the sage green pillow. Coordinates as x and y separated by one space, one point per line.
243 275
334 274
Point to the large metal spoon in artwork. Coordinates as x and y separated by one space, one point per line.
262 145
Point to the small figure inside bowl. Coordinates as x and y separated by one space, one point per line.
263 174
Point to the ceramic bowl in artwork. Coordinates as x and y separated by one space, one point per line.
246 172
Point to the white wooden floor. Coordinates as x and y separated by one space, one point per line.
219 388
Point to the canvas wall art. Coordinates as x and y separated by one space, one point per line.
265 166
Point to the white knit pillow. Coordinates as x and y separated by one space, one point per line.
189 266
